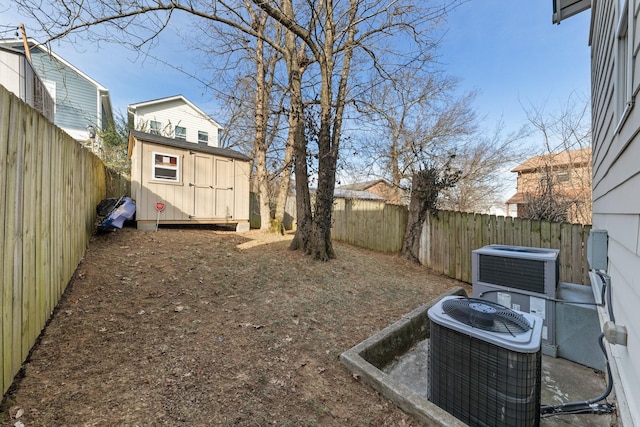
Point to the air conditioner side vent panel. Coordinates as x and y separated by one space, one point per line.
525 274
534 271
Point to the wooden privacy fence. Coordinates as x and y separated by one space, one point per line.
289 220
371 224
449 237
49 188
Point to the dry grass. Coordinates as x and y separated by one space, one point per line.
201 327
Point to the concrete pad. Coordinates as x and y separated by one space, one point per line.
394 362
242 227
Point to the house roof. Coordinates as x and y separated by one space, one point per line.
521 196
16 45
355 194
363 186
516 199
159 101
579 157
177 143
12 50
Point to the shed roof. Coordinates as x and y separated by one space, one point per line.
177 143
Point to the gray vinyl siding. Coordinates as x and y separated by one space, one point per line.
616 187
76 98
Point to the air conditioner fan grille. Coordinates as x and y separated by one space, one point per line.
486 315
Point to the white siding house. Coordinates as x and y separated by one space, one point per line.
174 117
615 77
81 104
18 76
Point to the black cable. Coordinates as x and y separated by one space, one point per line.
606 279
526 294
589 406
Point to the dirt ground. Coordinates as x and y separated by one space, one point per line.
213 328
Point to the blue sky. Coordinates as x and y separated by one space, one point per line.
509 51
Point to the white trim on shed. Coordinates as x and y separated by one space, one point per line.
211 184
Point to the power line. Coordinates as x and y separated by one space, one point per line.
9 29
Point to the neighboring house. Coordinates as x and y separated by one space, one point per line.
19 77
174 117
615 81
340 193
196 183
566 174
82 106
379 187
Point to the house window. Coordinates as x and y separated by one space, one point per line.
166 167
155 127
563 176
624 59
181 133
203 137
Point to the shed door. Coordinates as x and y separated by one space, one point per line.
203 192
224 178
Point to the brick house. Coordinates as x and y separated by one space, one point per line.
379 187
567 173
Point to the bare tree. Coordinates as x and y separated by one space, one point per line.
341 30
417 117
377 34
546 201
483 162
558 185
426 186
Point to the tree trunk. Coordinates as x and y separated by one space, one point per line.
283 190
423 199
302 236
260 122
321 246
301 239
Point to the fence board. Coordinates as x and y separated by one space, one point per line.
29 317
49 187
369 223
455 235
452 236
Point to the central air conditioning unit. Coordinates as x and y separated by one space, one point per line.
522 278
485 362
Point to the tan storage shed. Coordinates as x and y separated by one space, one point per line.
180 182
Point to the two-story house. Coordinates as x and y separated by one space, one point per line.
82 106
174 117
564 177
